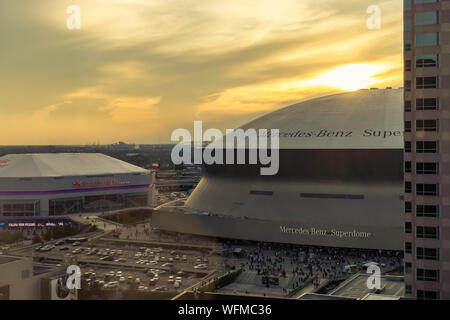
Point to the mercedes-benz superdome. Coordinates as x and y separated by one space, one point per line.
340 179
55 184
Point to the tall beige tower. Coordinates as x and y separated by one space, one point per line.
427 148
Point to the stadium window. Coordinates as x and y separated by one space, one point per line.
427 275
427 167
332 196
261 192
408 187
427 146
426 18
407 126
427 232
427 82
408 207
427 254
427 295
408 227
407 105
427 39
427 104
428 211
407 146
427 125
427 60
427 189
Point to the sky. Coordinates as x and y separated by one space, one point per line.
138 69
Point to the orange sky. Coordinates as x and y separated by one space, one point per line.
138 69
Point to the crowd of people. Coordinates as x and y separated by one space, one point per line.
302 262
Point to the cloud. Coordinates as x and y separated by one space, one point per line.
138 69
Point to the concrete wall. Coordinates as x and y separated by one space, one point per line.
381 237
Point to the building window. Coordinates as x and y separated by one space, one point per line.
429 211
407 166
427 189
27 208
406 5
408 65
408 267
427 82
407 146
407 106
407 126
408 187
408 227
428 275
407 25
427 60
408 288
427 147
427 295
427 39
408 247
425 18
427 232
427 254
427 167
408 207
425 1
407 85
407 45
427 104
427 125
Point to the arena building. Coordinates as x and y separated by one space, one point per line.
36 185
340 179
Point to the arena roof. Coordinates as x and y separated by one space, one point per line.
63 164
364 119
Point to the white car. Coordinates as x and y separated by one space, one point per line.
142 288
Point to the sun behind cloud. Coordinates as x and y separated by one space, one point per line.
351 77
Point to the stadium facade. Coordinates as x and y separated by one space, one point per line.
340 179
40 185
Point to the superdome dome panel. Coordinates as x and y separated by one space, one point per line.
365 119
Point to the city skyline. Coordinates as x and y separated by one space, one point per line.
137 70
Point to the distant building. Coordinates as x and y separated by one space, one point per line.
36 185
427 148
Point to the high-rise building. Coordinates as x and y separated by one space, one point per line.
427 148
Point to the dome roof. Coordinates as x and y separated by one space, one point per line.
364 119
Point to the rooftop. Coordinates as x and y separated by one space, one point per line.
356 287
62 164
364 119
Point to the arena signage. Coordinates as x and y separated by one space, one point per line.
103 183
325 133
320 232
